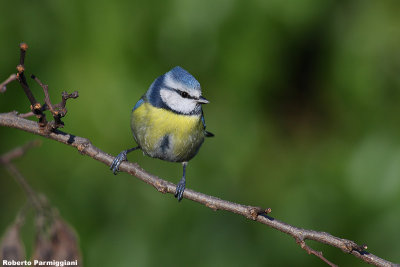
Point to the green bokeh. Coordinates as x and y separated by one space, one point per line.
304 105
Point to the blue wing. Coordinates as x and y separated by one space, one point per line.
208 134
138 104
203 121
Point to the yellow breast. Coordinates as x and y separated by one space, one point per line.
164 134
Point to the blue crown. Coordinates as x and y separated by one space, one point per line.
181 75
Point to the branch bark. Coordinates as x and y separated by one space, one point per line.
300 235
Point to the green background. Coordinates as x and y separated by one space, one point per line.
304 105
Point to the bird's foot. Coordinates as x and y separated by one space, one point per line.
180 188
117 161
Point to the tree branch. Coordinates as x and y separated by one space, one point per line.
300 235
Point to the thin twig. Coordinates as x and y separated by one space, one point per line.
44 212
3 85
22 80
45 88
57 119
309 250
31 195
17 152
23 47
85 147
57 110
65 96
26 115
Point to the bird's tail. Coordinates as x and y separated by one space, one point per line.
208 134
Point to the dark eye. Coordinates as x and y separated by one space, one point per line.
184 95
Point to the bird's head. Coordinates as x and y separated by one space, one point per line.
178 91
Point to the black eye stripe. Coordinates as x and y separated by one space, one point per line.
184 94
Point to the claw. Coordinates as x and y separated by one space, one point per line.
117 161
180 188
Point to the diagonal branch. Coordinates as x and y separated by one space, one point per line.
300 235
54 240
3 85
18 151
6 159
309 250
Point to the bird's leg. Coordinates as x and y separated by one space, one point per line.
180 187
120 158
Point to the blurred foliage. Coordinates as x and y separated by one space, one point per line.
304 104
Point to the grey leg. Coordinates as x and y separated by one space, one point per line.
180 187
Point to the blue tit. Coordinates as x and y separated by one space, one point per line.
168 122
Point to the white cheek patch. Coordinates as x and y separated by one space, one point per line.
171 83
174 101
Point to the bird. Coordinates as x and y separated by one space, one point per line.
168 122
